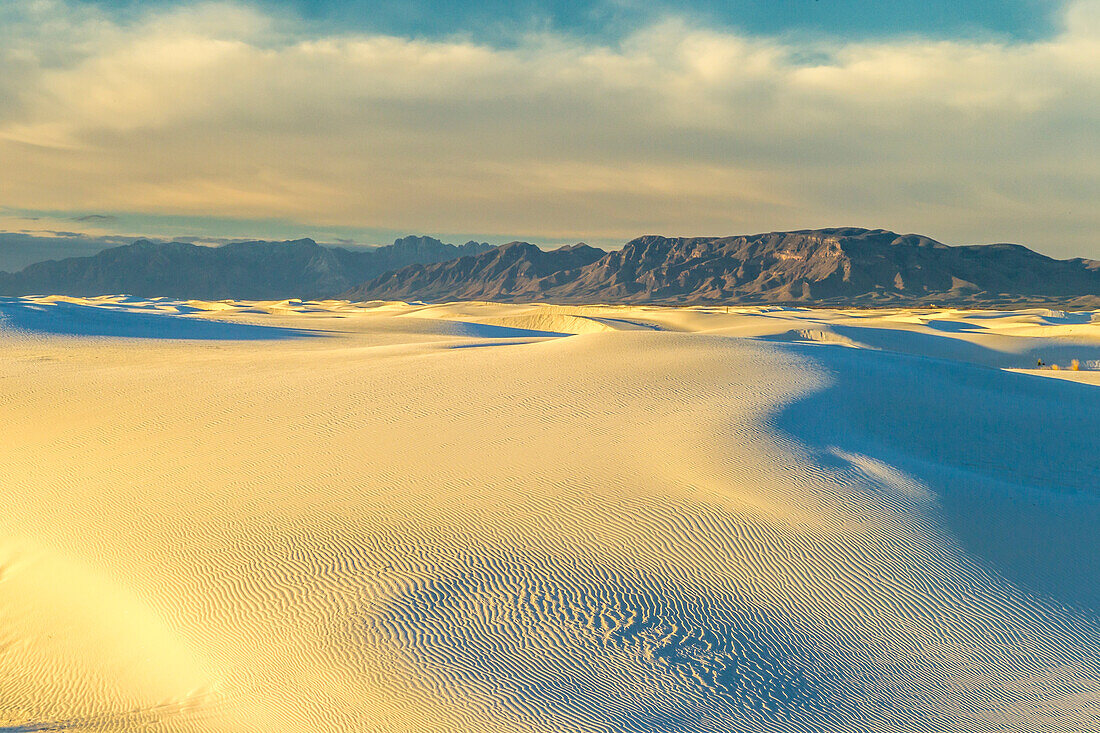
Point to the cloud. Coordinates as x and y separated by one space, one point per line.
95 218
224 111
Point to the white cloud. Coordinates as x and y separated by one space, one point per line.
219 110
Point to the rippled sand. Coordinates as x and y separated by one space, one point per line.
386 517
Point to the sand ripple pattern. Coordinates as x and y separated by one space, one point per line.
558 641
622 530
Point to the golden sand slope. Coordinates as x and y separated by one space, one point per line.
446 518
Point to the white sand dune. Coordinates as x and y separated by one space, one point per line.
331 516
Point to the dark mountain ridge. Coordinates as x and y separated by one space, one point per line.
823 266
245 270
513 270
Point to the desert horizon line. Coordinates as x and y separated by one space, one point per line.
547 244
818 265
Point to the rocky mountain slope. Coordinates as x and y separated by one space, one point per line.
825 266
512 271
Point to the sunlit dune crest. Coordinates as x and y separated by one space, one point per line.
332 516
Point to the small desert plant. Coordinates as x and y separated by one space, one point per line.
1075 365
1054 367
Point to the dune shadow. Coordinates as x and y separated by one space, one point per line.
489 345
956 349
1062 318
74 319
927 344
584 646
624 323
490 331
954 326
1014 460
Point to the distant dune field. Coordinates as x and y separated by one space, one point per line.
280 517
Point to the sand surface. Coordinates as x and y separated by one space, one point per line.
289 517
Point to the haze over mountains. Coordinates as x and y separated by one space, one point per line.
250 270
823 266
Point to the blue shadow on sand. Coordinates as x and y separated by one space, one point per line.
954 326
488 331
74 319
1013 459
638 653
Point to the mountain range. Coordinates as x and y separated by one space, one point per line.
822 266
245 270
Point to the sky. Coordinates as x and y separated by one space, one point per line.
554 122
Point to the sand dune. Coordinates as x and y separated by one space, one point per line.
328 516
